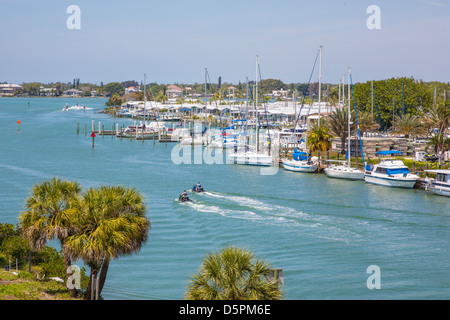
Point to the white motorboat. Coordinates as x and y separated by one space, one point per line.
391 173
441 184
343 171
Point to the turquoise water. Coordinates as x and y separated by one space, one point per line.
324 233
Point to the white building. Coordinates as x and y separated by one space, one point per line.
174 92
8 89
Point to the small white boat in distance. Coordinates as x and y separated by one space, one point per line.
391 173
441 184
343 171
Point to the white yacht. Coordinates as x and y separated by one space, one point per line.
391 173
441 184
343 171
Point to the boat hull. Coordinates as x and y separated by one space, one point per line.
299 166
250 159
391 181
440 190
344 173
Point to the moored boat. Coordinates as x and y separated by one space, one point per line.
391 173
441 184
343 171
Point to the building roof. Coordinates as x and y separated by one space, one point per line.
174 87
10 85
74 91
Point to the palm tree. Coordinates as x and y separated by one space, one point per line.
438 120
47 214
233 274
111 222
408 125
319 137
337 122
438 142
365 121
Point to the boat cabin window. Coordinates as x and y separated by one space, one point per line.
380 170
442 177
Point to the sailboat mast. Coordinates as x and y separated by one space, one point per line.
256 104
256 82
206 96
246 104
349 120
145 98
320 80
372 99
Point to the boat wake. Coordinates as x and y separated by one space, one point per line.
243 207
247 208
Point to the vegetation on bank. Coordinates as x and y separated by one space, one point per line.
233 274
25 286
26 274
95 226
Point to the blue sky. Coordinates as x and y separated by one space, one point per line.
173 41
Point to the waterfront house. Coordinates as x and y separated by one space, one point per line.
173 92
9 89
73 93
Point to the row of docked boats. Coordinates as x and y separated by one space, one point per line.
388 172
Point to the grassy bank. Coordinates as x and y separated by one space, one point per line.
25 286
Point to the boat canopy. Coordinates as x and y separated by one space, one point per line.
299 155
397 171
388 152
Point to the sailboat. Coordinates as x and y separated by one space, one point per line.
345 171
250 155
301 161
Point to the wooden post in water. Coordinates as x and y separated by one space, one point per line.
78 128
93 136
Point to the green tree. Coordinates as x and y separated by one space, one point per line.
114 100
47 214
337 122
408 125
319 137
233 274
110 222
114 88
395 96
32 88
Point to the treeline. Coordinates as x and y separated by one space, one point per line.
395 97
